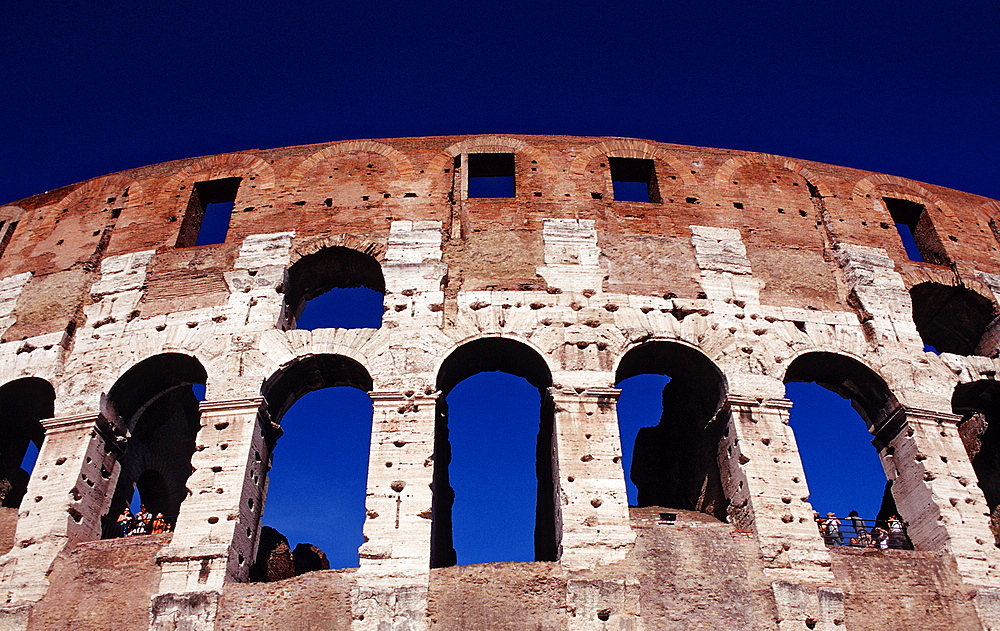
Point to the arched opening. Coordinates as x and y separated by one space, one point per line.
155 404
493 456
978 403
837 404
671 394
951 319
317 484
336 287
23 404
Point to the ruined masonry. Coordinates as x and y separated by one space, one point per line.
573 262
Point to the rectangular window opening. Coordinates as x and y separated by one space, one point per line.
206 221
491 175
915 230
634 180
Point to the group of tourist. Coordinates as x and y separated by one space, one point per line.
142 523
891 535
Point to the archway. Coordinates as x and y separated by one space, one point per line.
837 404
336 287
23 404
669 440
155 404
951 319
978 403
493 442
317 484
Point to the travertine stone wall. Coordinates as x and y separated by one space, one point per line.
752 261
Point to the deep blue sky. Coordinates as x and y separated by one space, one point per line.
908 88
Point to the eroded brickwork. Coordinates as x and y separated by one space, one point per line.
742 272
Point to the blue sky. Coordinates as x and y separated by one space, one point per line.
907 88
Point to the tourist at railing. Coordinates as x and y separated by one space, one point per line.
140 523
883 534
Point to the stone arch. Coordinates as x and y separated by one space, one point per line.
725 174
154 406
401 163
24 402
489 144
675 462
288 384
374 249
98 187
991 210
631 148
911 191
253 169
849 377
326 269
951 318
307 373
486 354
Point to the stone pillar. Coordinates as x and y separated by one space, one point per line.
592 519
216 534
392 582
66 497
763 478
935 489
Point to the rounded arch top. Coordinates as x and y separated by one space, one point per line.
911 191
148 379
100 187
631 148
490 144
848 377
399 160
27 397
487 354
689 366
307 373
225 165
727 171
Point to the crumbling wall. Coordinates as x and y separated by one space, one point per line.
747 260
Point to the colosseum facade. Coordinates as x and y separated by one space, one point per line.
733 273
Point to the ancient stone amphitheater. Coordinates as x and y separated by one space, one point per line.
732 273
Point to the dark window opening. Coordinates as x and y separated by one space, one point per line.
206 221
493 457
837 403
952 319
916 231
23 404
668 416
335 287
634 180
8 232
978 403
156 404
491 175
315 506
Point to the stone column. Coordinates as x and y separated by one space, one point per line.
217 529
66 497
935 489
592 519
392 582
763 478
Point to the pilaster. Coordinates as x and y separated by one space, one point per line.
592 519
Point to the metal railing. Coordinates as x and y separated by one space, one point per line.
137 527
855 532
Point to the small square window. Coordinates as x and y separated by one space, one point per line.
634 180
491 175
206 221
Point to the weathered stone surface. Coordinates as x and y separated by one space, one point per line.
742 272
